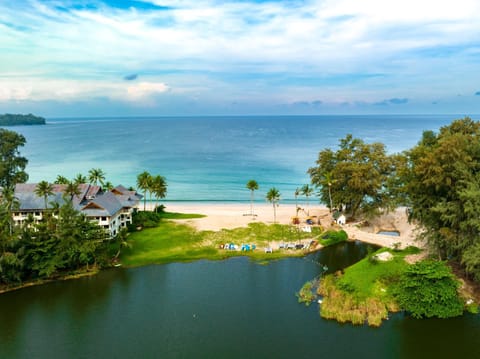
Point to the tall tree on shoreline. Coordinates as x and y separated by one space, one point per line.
273 196
144 180
443 188
307 191
297 193
158 187
328 181
252 185
96 176
12 165
362 174
44 189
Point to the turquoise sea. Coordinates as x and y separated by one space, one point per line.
209 158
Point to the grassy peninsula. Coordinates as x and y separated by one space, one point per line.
173 242
18 120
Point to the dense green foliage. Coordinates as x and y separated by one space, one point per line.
16 120
154 185
64 241
12 165
442 184
355 177
429 289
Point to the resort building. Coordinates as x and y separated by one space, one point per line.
112 210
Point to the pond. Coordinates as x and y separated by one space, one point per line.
225 309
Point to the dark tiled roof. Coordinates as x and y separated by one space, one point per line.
106 203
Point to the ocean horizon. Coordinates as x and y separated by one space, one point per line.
209 158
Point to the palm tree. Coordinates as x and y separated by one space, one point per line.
296 194
252 185
79 179
307 191
96 175
143 182
44 189
9 203
273 196
158 187
72 189
61 180
108 186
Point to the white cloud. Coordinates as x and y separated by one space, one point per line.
145 89
50 53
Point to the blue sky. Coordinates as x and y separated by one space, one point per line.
204 57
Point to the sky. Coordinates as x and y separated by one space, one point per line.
74 58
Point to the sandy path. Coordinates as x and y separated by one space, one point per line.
224 215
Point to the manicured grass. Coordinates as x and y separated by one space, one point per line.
175 215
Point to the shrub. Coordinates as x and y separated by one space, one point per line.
429 289
145 220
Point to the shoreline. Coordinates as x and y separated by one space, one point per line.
223 215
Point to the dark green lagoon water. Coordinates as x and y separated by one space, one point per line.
225 309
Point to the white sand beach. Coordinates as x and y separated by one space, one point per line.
226 215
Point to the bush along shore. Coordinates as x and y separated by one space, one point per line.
384 282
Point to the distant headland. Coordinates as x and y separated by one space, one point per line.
17 120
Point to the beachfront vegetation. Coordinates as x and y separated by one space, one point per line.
442 184
252 185
12 165
273 196
156 185
438 180
368 290
96 176
62 243
358 176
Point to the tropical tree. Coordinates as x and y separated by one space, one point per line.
8 203
443 189
273 196
44 189
158 187
296 194
362 174
252 185
72 189
96 176
12 165
307 191
108 186
61 180
79 179
144 180
327 182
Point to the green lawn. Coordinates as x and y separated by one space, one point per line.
175 215
173 242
